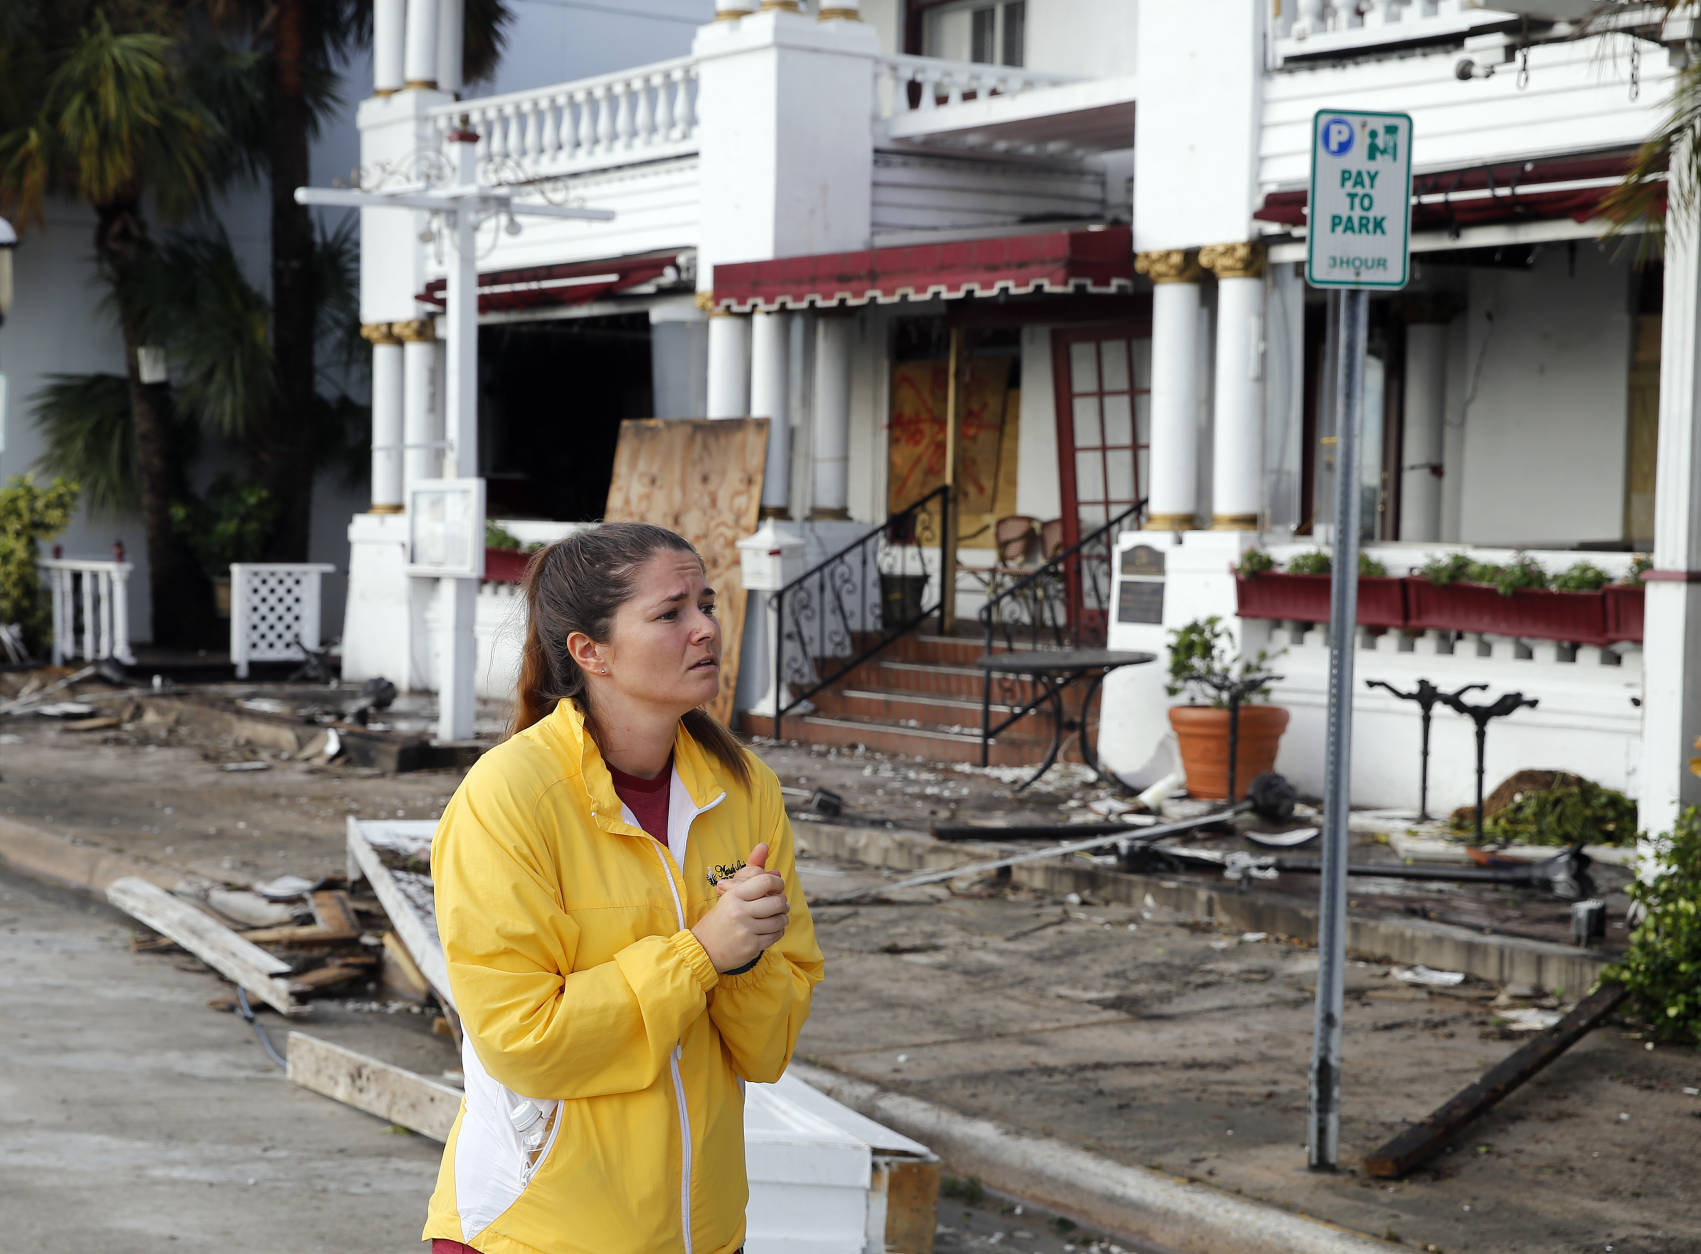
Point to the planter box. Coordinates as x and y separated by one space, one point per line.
1624 609
1305 598
505 565
1530 614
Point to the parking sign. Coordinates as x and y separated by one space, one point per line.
1359 230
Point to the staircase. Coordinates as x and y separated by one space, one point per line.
919 696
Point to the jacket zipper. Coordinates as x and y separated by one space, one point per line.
685 1146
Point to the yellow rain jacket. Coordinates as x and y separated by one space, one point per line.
603 1055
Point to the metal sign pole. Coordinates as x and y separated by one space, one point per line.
1325 1124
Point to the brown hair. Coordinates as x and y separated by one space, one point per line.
577 584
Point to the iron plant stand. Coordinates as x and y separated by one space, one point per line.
1481 715
1428 696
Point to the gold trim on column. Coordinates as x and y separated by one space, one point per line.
1430 307
384 91
778 513
1171 522
1234 522
730 15
705 301
1169 265
839 15
782 6
420 84
823 514
415 330
386 509
1233 261
376 333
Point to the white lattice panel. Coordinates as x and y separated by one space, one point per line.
274 611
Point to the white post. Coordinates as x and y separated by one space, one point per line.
451 21
389 23
86 582
830 454
770 398
1237 455
458 598
1173 498
387 436
420 69
1421 448
103 583
729 365
61 614
422 429
1671 648
121 614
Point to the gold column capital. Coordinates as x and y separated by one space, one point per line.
839 15
1171 522
1168 265
783 6
1430 307
415 330
1244 260
376 333
705 301
420 84
386 509
1234 522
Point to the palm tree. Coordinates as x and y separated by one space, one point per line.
1645 195
97 102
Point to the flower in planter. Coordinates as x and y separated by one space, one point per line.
1454 568
1316 562
1581 576
1521 572
1640 565
1255 562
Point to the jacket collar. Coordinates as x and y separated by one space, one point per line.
692 767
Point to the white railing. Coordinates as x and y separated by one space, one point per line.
1318 26
91 609
942 85
643 114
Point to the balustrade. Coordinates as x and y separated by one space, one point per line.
907 84
91 609
1348 25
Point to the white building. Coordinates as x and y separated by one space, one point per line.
1106 201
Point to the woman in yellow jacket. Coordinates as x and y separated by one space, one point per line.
626 941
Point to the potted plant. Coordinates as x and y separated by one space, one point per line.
1625 603
505 557
1457 593
1222 692
1301 592
231 523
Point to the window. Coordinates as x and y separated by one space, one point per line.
975 30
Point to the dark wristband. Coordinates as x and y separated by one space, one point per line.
749 966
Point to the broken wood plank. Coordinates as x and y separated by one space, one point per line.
335 915
340 971
401 973
406 898
379 1088
209 940
336 925
1418 1143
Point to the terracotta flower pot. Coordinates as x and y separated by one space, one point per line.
1201 732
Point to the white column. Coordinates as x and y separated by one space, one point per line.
420 67
389 23
1671 648
451 23
1173 494
729 365
1421 452
830 454
387 436
1237 451
422 426
770 398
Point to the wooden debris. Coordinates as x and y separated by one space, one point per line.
1424 1139
402 975
336 971
210 941
336 924
102 723
406 898
390 1092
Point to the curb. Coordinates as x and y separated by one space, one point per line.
72 863
1445 946
1134 1203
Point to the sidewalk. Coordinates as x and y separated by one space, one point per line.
1125 1047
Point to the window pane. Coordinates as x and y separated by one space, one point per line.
1087 431
1083 367
1119 469
1093 517
1015 32
1089 477
1142 486
1142 418
1118 420
1142 363
981 41
1114 354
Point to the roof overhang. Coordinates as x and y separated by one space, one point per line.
1096 115
1095 259
571 283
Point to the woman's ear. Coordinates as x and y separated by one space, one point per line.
587 653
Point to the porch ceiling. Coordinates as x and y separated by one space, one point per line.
1092 116
572 283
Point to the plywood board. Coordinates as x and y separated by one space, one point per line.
917 448
392 1093
702 478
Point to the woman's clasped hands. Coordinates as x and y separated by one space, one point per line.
750 915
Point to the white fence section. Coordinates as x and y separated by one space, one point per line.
274 611
91 609
1322 26
642 114
948 84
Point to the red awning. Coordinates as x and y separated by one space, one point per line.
574 283
1511 192
1093 260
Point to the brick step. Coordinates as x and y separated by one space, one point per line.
921 742
950 650
934 679
907 708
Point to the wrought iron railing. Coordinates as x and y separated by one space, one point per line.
844 610
1064 604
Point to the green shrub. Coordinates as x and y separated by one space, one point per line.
1581 577
1370 568
29 515
1202 665
1255 562
497 537
1662 968
1454 568
232 523
1520 573
1316 562
1574 810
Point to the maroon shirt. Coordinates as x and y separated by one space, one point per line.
646 798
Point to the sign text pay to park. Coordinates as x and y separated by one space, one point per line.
1361 199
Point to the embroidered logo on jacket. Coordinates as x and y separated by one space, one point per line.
720 871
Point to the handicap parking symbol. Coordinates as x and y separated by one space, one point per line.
1337 137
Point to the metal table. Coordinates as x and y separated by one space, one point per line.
1054 671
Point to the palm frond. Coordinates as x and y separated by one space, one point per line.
336 297
85 420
